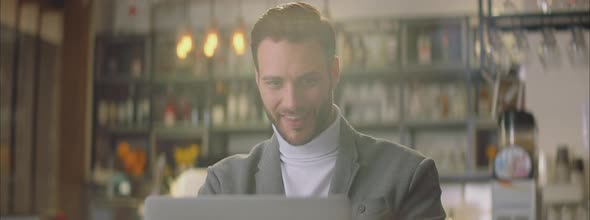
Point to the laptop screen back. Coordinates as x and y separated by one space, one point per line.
252 207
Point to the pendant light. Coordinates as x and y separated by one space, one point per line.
212 38
184 45
238 38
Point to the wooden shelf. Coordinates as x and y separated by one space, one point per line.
179 132
535 21
123 80
118 202
243 128
417 73
234 76
179 78
442 124
376 126
122 130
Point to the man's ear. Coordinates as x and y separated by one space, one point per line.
335 72
257 77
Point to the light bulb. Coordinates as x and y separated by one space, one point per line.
211 43
239 43
184 46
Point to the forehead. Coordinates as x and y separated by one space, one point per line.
284 56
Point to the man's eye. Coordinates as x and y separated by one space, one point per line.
273 83
308 82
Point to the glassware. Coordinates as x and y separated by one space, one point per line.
424 48
578 48
170 109
509 7
549 54
102 113
562 164
545 5
521 48
498 53
586 124
345 50
374 42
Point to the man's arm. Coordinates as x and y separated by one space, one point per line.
211 185
423 198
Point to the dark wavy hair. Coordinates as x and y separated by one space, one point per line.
295 22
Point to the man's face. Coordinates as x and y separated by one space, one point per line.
296 81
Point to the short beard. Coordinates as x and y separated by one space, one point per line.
322 120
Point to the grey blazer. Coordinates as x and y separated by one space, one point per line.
383 180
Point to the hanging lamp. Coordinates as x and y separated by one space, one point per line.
238 38
184 44
212 38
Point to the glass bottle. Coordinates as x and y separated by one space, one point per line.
243 103
170 110
424 48
130 106
232 103
562 168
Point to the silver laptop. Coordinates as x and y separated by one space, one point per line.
256 207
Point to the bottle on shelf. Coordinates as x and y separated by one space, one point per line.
183 108
143 111
232 103
390 43
424 47
359 55
122 112
170 110
113 113
567 212
130 106
136 66
102 115
562 165
243 103
582 210
112 67
218 110
577 176
345 48
195 115
217 114
375 42
445 49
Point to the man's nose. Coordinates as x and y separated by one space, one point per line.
292 98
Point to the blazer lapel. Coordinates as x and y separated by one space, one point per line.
347 164
269 178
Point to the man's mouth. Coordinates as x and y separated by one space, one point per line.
293 121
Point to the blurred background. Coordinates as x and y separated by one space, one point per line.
106 102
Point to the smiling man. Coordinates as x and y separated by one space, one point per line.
314 151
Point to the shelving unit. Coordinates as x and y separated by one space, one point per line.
536 21
212 88
558 16
521 21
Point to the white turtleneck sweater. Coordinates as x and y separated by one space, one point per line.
308 169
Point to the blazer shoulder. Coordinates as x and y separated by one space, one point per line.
377 148
240 161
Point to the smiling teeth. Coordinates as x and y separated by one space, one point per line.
293 117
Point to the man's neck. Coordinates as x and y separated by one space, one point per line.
325 143
331 122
